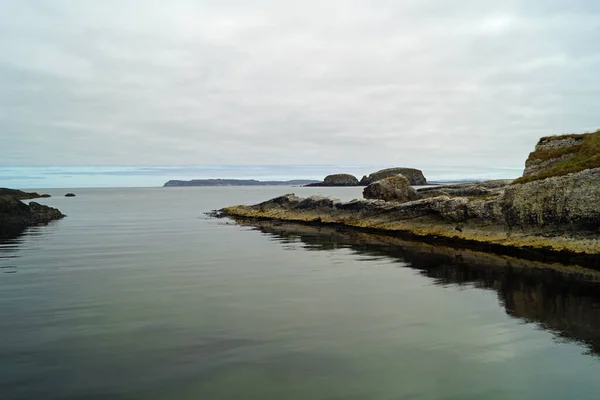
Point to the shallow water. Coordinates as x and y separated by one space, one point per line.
139 295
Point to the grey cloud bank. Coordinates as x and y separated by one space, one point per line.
414 83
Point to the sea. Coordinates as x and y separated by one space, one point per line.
139 294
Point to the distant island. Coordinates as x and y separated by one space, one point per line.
237 182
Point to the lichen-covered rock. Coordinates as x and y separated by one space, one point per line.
569 202
414 176
395 188
15 215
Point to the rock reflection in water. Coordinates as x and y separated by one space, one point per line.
562 299
10 246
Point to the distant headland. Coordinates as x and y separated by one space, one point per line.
237 182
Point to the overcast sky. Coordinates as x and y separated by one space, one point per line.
350 82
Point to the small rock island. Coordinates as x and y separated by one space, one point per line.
15 215
414 176
553 207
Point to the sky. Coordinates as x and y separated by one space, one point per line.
417 83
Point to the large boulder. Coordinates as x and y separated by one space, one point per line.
414 176
337 180
394 188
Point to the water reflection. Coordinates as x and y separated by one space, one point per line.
9 246
562 299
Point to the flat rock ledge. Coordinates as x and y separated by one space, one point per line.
526 216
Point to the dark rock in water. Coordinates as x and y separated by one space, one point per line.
45 196
337 180
21 194
340 180
15 215
414 176
70 195
395 188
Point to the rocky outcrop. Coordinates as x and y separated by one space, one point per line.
337 180
457 218
556 210
19 194
414 176
70 195
395 188
550 151
562 155
569 203
486 189
15 215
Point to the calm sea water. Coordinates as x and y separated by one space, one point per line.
139 295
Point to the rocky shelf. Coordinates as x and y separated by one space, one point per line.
552 213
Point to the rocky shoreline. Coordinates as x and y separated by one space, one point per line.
16 216
550 212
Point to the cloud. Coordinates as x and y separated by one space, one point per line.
318 82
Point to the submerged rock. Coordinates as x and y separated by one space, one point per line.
414 176
395 188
